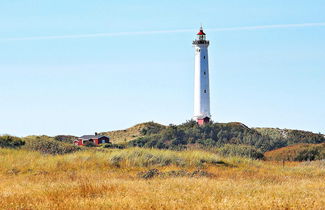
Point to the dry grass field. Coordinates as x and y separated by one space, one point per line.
119 179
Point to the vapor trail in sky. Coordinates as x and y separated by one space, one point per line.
241 28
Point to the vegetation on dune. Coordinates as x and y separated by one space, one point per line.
139 130
225 139
230 150
25 161
65 138
48 145
298 152
152 173
7 141
112 146
89 180
153 157
292 136
189 134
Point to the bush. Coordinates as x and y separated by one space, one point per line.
116 146
151 173
90 144
66 138
151 128
311 153
48 145
7 141
241 151
298 152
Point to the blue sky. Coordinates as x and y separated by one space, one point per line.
271 77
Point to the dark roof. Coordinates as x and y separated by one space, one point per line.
201 32
92 136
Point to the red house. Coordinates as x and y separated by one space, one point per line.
96 139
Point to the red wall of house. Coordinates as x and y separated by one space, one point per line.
96 141
203 121
200 121
78 142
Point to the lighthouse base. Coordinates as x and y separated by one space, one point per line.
203 121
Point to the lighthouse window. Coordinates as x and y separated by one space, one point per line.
203 57
204 73
205 91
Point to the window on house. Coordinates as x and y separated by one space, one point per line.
204 73
203 57
205 91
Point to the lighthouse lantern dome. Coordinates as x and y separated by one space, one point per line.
201 34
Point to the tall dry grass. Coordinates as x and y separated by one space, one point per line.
94 180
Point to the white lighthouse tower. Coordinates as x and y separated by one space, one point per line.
201 80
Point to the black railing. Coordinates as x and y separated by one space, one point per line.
201 42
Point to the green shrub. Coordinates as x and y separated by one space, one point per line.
151 173
110 145
89 144
66 138
7 141
241 151
298 152
311 153
48 145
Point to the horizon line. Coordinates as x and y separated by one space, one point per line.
95 35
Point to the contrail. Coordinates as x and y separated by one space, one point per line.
242 28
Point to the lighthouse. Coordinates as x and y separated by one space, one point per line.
201 79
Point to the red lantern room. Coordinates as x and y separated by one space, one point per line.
201 34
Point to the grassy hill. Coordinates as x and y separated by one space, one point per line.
298 152
189 135
139 130
293 136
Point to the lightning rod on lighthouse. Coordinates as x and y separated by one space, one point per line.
201 79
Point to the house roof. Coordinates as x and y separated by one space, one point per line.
92 136
201 32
